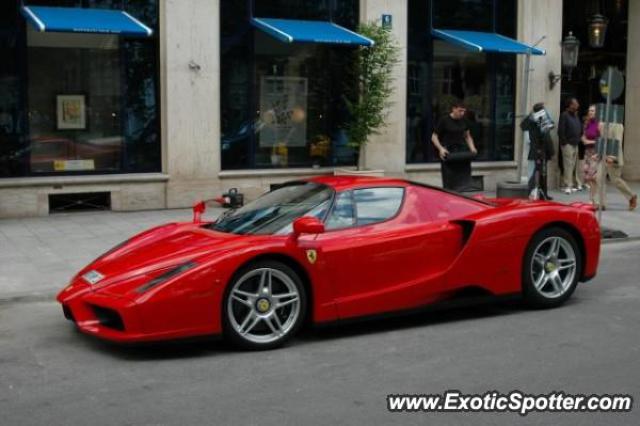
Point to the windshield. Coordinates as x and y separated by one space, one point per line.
274 212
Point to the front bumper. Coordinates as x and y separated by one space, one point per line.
121 320
106 317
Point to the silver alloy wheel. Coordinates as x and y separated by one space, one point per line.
263 305
553 267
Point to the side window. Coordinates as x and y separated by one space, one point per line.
377 204
342 215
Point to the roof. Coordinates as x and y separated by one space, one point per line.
343 182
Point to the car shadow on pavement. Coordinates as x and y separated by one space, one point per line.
429 316
207 347
157 351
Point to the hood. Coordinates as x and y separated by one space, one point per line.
161 248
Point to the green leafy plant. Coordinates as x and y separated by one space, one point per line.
372 69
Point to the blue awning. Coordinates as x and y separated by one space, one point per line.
486 42
296 31
79 20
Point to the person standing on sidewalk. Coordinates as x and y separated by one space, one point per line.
613 163
539 126
593 130
452 135
570 135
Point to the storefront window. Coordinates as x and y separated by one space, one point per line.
342 12
474 15
91 100
440 73
583 82
12 110
283 104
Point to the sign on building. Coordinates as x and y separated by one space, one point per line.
283 111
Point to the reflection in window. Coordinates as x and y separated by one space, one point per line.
460 74
440 73
274 212
342 215
475 15
283 105
377 204
92 98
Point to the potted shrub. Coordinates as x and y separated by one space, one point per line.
368 100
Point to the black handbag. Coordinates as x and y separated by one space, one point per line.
456 157
456 171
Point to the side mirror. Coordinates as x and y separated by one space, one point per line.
307 225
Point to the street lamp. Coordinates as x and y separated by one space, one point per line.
597 30
570 52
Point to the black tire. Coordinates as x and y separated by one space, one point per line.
247 342
537 298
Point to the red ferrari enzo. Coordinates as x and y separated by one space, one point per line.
328 249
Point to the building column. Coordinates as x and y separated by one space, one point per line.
537 19
387 151
190 52
632 108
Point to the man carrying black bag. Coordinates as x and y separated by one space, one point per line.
539 125
452 138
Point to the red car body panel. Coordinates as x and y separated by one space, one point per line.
438 244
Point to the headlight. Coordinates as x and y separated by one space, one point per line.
166 276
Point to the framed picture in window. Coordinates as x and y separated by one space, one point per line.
71 112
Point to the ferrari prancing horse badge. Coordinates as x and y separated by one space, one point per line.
312 256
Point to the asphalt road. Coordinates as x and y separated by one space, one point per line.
50 374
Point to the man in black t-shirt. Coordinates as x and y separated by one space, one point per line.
452 135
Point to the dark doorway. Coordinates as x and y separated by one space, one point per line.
582 82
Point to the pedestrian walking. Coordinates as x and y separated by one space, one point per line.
592 132
570 135
611 166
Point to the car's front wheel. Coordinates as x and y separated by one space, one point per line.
264 305
551 268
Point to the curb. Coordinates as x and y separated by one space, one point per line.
620 240
28 298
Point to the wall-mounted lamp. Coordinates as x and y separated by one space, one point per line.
554 79
570 53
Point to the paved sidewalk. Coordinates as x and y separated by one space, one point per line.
57 246
617 216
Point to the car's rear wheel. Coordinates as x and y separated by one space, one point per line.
264 305
551 268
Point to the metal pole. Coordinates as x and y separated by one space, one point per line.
524 105
524 110
603 161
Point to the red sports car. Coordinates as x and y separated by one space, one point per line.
328 249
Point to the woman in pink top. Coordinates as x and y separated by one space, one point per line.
592 132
